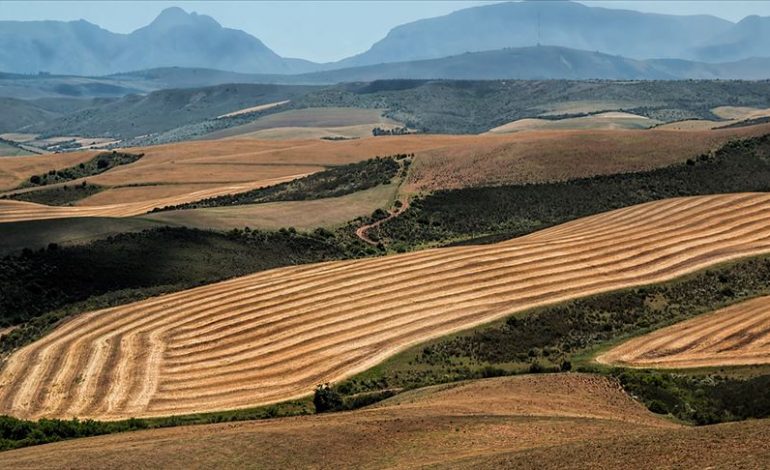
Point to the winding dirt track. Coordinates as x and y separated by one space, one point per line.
732 336
18 211
276 334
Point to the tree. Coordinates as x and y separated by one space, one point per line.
326 399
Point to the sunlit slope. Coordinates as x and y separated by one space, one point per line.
735 335
18 211
436 425
276 334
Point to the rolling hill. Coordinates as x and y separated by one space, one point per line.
436 426
541 62
274 335
163 110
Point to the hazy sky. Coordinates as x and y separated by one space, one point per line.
319 31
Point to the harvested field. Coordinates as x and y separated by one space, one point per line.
732 445
121 194
608 120
253 109
740 113
436 425
549 155
359 131
7 150
729 114
177 173
442 162
307 117
734 336
16 170
17 211
302 215
274 335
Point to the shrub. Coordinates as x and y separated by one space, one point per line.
326 399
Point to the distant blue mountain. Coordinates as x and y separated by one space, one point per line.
174 38
554 23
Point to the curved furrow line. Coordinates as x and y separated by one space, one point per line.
317 332
655 211
688 265
274 335
444 289
242 384
572 230
693 336
735 335
385 280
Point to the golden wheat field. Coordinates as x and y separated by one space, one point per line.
274 335
733 336
18 211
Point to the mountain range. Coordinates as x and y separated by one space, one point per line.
501 39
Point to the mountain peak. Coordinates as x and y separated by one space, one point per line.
174 16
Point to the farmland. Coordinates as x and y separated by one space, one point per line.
736 335
189 348
174 174
301 123
528 422
524 412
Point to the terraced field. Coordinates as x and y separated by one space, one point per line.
736 335
274 335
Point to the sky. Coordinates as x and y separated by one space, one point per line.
321 31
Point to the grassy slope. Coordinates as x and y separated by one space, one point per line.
302 215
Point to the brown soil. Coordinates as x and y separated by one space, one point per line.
438 426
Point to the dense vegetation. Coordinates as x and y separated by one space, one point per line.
472 107
561 337
58 195
99 164
16 433
334 182
39 288
437 106
700 399
446 216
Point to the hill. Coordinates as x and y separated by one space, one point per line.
434 106
163 110
522 63
437 425
323 322
174 38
